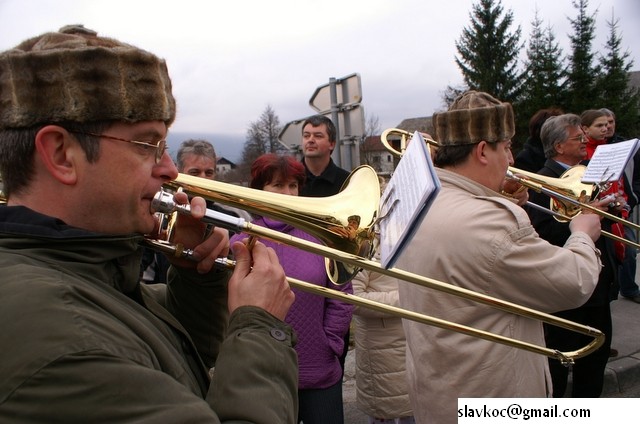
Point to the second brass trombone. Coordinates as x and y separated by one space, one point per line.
568 194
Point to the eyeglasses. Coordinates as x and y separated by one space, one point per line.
160 146
581 138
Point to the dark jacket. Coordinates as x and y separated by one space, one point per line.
326 184
531 158
83 341
557 233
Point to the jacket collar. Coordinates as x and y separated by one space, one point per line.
110 259
330 173
464 183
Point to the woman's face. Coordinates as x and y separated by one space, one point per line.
598 128
282 186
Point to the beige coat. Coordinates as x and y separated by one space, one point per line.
381 378
474 238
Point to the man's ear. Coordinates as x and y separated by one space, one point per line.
480 152
58 152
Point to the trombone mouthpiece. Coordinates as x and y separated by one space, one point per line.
163 203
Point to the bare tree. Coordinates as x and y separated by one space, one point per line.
262 137
371 131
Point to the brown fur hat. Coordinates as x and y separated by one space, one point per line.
473 117
74 75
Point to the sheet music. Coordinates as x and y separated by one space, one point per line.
406 199
609 161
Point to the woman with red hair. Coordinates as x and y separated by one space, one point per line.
319 323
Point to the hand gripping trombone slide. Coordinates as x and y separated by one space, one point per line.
218 191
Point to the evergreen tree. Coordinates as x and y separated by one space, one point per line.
489 52
544 77
613 84
262 137
581 91
450 95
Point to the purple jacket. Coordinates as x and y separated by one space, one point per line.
320 323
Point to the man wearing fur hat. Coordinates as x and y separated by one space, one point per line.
477 239
83 122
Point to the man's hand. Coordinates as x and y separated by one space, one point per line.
588 221
515 190
192 233
259 280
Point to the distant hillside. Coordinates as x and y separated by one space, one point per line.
228 146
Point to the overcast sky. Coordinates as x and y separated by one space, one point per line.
229 60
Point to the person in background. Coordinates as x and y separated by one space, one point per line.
531 158
594 125
198 158
320 323
475 238
565 146
627 273
83 127
323 177
382 391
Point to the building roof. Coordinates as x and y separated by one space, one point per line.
372 143
422 124
225 161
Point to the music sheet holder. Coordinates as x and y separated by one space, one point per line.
406 199
609 161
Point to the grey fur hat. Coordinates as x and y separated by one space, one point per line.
74 75
473 117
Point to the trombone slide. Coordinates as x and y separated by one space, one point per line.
239 225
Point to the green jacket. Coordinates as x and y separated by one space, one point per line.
81 340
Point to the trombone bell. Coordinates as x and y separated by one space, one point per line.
405 138
569 185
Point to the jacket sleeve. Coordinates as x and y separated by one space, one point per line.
545 277
256 376
545 224
362 288
255 381
337 318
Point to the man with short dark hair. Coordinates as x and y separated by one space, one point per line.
324 177
83 124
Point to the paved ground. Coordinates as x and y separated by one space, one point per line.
622 377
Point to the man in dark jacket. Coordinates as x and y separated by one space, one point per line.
324 177
564 144
83 122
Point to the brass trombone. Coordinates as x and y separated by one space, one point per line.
317 217
568 194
